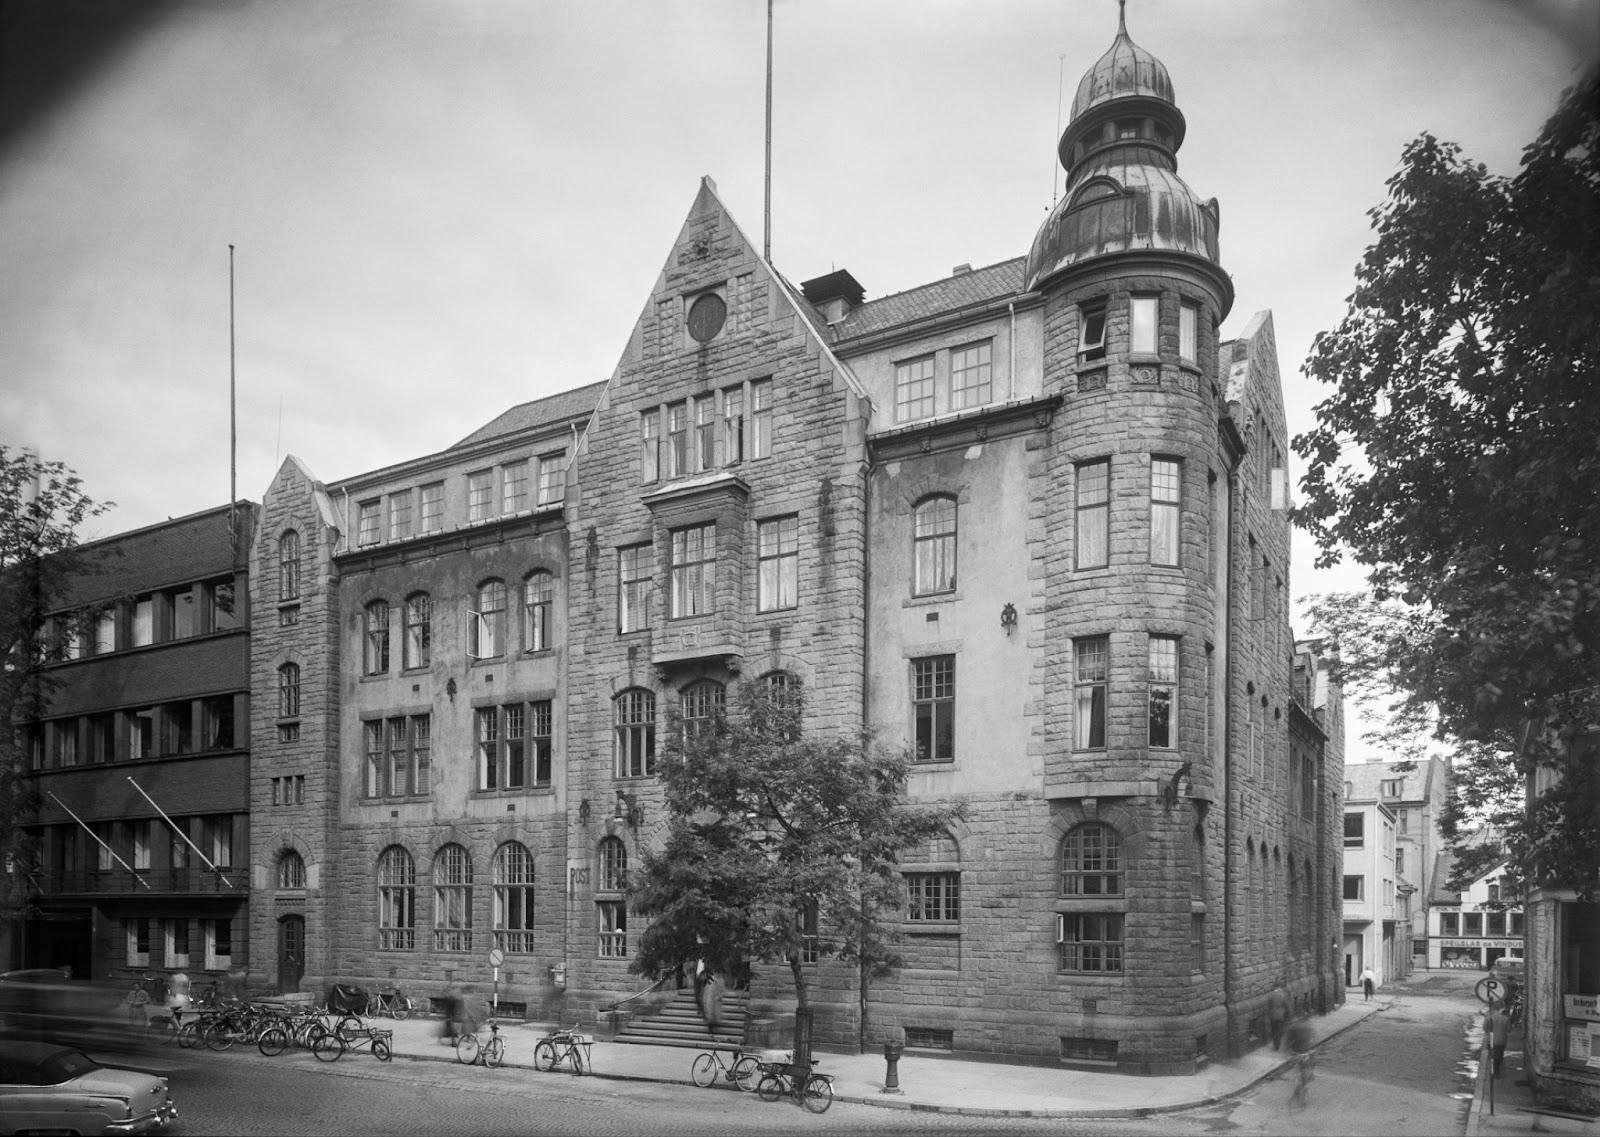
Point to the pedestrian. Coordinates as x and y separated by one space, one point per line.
1368 982
1496 1025
1277 1014
452 1014
711 1001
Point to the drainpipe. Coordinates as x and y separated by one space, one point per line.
1011 373
866 672
1227 757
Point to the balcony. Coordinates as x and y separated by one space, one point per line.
121 882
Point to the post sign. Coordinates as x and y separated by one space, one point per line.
496 957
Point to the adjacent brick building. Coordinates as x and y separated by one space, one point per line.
1030 521
148 713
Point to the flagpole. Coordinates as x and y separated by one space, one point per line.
209 864
103 845
233 427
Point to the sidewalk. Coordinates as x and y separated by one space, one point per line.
933 1084
1514 1102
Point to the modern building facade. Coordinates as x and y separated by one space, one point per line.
1416 792
1372 911
1029 521
142 760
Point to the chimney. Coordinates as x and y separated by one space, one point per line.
833 295
960 270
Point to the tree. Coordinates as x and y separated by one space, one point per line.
42 505
778 845
1375 637
1457 457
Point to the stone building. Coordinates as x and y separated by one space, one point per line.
1472 928
1030 520
148 714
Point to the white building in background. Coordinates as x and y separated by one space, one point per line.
1372 926
1472 929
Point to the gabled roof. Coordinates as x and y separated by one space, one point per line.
1442 866
548 411
948 295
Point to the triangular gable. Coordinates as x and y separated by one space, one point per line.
710 237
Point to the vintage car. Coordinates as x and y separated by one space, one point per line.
56 1089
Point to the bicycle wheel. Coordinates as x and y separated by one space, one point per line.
189 1034
401 1008
161 1031
544 1056
349 1028
467 1049
817 1094
575 1056
219 1035
380 1050
747 1072
770 1088
494 1052
273 1041
328 1047
704 1070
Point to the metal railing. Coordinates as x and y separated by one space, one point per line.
123 882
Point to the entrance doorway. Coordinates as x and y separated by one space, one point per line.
1353 966
291 953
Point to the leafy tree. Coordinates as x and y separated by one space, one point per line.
1457 456
769 831
42 505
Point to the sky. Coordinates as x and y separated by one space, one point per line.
440 210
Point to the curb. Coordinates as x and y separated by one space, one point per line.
976 1111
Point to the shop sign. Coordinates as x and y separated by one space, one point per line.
1585 1007
1508 941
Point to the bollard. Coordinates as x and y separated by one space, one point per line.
891 1080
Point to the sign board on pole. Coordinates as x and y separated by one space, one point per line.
496 957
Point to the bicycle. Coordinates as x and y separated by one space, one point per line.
563 1046
744 1070
812 1090
393 1002
470 1050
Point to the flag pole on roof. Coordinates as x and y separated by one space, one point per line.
233 431
766 235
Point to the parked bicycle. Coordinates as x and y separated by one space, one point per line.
743 1070
393 1002
564 1046
472 1049
786 1079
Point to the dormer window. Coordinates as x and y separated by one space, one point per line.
1092 331
1127 128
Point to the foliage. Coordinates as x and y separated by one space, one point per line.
1457 457
42 506
766 825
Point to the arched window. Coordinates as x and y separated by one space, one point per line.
1197 882
397 900
375 643
291 870
612 910
289 566
1091 862
538 591
289 691
703 703
635 719
419 631
489 620
934 545
513 898
452 899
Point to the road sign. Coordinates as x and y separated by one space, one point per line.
496 957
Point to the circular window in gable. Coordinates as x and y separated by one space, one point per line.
706 316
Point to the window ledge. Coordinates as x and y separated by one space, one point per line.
514 791
1091 903
1098 978
931 927
951 597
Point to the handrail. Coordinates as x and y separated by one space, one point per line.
636 995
